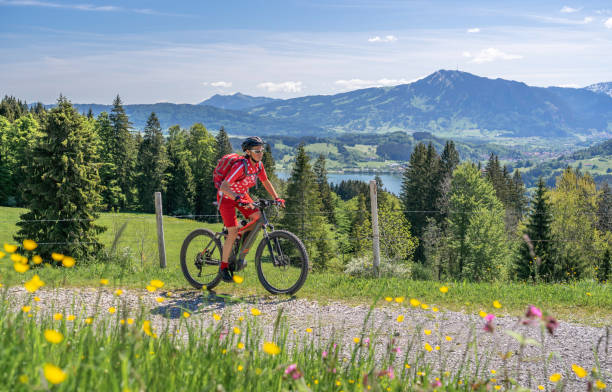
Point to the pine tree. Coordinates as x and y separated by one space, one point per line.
12 108
21 136
90 115
201 145
180 192
123 151
152 164
223 146
62 187
361 228
605 267
324 189
604 208
538 230
112 196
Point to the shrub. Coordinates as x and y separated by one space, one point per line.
363 266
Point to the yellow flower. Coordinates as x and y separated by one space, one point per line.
356 340
437 347
444 289
146 327
237 330
16 258
428 347
434 309
400 318
239 366
37 299
258 371
186 314
10 248
157 283
2 254
425 306
118 292
34 284
255 312
589 294
58 316
555 377
88 320
241 346
600 385
271 348
241 318
309 330
497 387
53 374
541 387
71 317
130 321
427 332
216 317
112 310
21 268
388 299
580 372
238 279
57 256
26 309
53 336
122 321
104 281
493 371
68 262
160 299
29 245
482 314
407 366
37 259
23 379
496 304
414 302
448 338
151 288
399 300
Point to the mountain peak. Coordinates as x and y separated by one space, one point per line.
601 88
237 101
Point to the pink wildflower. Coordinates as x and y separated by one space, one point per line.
436 384
489 327
366 342
324 354
533 312
397 350
387 372
551 324
293 371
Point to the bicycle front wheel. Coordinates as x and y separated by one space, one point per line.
282 262
200 259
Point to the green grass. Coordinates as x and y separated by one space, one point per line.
569 302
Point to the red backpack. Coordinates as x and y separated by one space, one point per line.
225 164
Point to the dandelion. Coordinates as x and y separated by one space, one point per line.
399 300
240 368
388 299
309 330
255 312
186 314
26 309
53 336
112 310
541 387
23 379
68 262
448 338
122 322
555 377
71 317
118 292
414 302
493 371
400 318
130 321
216 317
160 299
146 327
444 289
356 340
238 279
37 299
428 347
271 348
103 281
236 330
427 332
497 387
496 304
157 283
240 346
151 288
37 259
600 385
588 294
34 284
54 374
21 268
482 314
580 372
437 347
29 245
407 366
424 306
57 256
58 316
88 320
2 254
9 248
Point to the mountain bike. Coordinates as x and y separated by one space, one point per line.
281 259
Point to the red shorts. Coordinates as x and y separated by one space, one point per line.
227 209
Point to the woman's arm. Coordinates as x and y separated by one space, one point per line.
270 188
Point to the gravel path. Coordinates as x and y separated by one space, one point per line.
573 343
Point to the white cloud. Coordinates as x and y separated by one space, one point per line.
492 54
467 54
550 19
355 84
387 38
221 84
587 20
571 85
568 10
608 23
474 30
287 87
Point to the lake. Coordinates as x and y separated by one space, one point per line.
391 182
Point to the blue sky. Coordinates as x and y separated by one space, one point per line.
186 51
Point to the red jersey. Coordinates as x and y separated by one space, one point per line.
239 183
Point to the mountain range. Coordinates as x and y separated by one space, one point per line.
443 101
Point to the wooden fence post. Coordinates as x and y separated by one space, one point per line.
375 233
160 230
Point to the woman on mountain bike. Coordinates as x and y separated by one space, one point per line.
234 194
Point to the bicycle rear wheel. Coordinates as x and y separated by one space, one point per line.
200 259
282 262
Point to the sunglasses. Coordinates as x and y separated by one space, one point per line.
257 151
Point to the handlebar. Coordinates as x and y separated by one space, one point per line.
262 203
